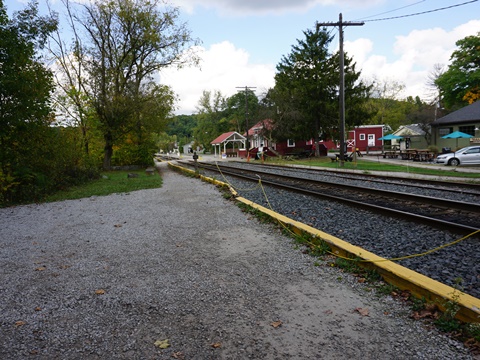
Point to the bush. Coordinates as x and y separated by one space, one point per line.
41 162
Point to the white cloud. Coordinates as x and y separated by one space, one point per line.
223 67
416 55
260 7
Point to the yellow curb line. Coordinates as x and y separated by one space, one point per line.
403 278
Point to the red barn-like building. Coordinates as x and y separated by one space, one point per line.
365 138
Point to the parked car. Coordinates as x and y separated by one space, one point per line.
469 155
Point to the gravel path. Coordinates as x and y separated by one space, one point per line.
106 277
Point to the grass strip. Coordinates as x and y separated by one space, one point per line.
110 182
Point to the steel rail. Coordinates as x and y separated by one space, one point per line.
450 204
443 224
390 179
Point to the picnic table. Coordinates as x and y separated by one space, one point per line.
417 155
391 154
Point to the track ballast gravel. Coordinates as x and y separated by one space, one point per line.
457 266
107 277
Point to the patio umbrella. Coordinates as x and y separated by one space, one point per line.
457 135
390 137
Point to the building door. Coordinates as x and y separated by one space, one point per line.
371 140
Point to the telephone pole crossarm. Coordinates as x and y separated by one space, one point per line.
340 25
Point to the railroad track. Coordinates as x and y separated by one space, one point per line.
450 186
458 217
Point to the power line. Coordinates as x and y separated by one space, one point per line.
390 11
423 12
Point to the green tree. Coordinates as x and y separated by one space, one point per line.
123 44
211 120
242 110
25 89
385 97
306 90
460 84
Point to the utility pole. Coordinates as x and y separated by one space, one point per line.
246 88
340 25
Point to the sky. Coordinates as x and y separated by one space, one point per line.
242 41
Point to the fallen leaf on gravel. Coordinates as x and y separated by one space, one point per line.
362 311
162 344
178 355
216 345
362 280
20 323
117 225
100 292
425 313
38 308
41 268
276 324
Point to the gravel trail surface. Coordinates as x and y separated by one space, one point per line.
108 277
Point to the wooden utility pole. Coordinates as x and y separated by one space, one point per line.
340 25
246 88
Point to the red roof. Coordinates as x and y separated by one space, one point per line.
264 124
225 136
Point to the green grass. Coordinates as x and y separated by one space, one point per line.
110 183
368 165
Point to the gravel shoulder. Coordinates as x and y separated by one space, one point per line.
106 277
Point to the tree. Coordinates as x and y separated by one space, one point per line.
386 93
242 109
211 120
122 45
460 84
25 89
306 90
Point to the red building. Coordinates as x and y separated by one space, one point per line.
258 137
365 138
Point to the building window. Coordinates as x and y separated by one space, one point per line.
445 131
470 130
362 137
290 143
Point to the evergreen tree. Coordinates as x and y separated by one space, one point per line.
306 93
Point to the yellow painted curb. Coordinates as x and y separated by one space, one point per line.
419 285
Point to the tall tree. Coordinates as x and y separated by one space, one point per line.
211 120
242 109
386 93
124 43
25 89
460 84
307 86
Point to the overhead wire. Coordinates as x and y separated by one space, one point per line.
422 12
390 11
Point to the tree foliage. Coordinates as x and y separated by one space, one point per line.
121 45
211 120
31 158
242 110
306 90
460 84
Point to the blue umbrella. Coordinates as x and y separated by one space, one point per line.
457 135
390 137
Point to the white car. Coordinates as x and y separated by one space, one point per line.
469 155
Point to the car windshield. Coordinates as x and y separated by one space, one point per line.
463 149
